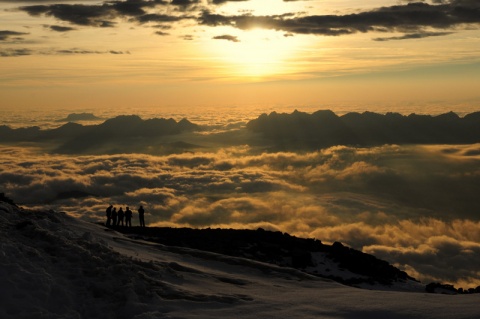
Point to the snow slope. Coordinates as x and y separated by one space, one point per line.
55 266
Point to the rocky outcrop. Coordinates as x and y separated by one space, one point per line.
277 248
5 199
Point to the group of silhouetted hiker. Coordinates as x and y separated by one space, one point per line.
116 218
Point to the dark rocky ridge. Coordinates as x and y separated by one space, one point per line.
285 250
5 199
275 248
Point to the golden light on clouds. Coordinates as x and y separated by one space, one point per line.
221 64
255 54
326 194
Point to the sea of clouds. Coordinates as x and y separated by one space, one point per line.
414 206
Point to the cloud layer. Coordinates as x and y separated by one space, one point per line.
9 52
297 131
408 20
413 19
7 34
416 206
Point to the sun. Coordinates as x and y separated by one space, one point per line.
254 54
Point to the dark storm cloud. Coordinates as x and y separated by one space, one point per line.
59 28
220 2
6 34
118 52
103 15
132 7
159 18
414 36
227 37
185 3
85 15
413 18
410 18
73 51
161 33
81 51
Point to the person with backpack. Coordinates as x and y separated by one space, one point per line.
121 215
141 213
128 217
109 215
114 217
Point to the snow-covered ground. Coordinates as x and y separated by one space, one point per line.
55 266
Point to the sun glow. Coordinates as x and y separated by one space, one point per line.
256 54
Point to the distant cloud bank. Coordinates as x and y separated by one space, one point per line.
324 129
276 132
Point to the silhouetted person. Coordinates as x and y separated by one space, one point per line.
121 214
141 213
128 217
114 216
109 215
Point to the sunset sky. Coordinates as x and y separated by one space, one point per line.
221 64
219 52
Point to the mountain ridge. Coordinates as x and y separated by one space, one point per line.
281 249
271 132
325 128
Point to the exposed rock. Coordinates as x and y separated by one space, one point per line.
5 199
436 287
277 248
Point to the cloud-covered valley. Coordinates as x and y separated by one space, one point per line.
416 206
